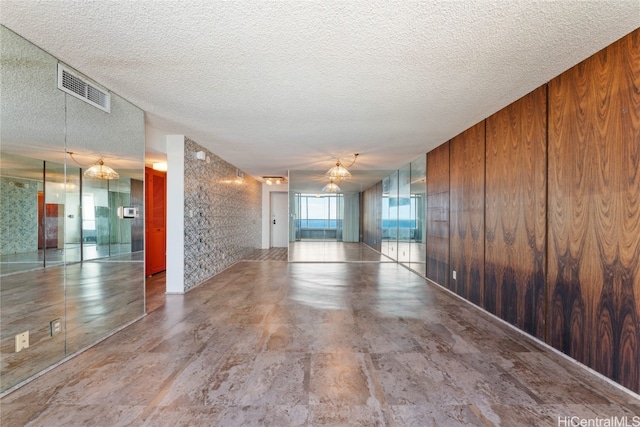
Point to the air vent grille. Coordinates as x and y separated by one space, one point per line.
76 86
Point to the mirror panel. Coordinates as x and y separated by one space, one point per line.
325 227
385 218
393 215
404 215
52 230
21 187
120 228
95 218
73 215
29 79
418 215
33 122
66 256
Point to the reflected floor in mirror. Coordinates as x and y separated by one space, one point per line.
100 297
333 251
14 263
304 344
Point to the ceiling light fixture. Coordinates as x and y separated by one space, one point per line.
101 171
331 187
340 172
270 180
160 166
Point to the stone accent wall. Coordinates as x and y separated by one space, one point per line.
222 215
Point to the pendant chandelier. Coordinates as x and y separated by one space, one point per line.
339 172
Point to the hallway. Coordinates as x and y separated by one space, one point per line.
274 343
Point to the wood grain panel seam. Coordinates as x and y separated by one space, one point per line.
484 219
545 333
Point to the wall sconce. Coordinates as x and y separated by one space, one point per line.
201 155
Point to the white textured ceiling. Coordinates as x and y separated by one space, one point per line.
272 86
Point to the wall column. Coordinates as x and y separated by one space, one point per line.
175 214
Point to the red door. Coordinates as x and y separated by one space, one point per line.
47 224
155 221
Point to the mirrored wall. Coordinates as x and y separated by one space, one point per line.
390 204
327 226
403 219
417 216
71 264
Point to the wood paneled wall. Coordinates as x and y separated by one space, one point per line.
466 198
537 209
438 215
594 212
515 212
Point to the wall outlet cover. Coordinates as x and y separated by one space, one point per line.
22 341
55 326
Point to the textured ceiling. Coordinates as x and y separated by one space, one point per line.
272 86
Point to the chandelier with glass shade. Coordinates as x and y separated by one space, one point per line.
340 172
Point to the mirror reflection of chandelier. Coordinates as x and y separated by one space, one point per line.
98 171
340 172
331 187
101 171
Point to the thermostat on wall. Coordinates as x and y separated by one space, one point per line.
127 212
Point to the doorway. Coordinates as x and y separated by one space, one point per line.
155 221
279 220
48 223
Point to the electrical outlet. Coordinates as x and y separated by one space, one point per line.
22 341
454 275
55 326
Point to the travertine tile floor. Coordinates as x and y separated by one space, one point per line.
272 343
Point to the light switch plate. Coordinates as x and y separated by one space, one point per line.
453 275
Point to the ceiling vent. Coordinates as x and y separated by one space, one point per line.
82 89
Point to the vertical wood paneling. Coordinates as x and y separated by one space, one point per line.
467 160
515 215
594 212
438 215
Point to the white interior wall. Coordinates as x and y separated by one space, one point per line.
175 213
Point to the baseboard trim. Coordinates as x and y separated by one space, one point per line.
538 341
